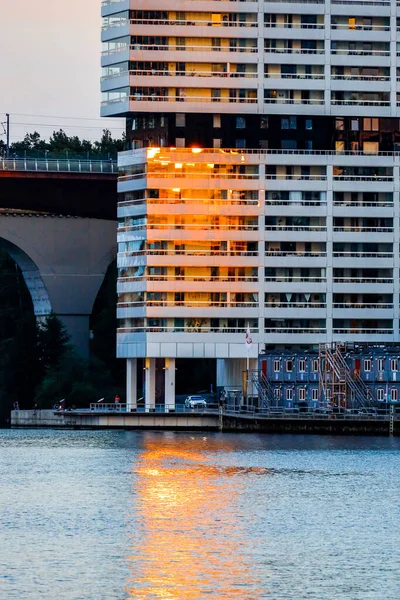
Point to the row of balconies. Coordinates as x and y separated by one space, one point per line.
224 21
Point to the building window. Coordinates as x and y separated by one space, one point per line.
394 364
380 364
217 143
371 124
162 121
314 365
309 144
277 366
289 366
240 123
328 394
302 394
289 394
394 395
288 144
277 394
380 394
314 394
284 123
354 125
134 124
302 365
241 143
339 147
309 124
264 123
293 122
367 364
216 121
339 124
180 120
371 147
180 142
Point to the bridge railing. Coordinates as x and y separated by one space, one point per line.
61 165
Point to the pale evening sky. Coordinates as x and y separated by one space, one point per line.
50 65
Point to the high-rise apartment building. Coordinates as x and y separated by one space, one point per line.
261 184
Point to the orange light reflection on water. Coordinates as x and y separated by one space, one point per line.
189 543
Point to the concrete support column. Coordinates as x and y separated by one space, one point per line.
170 383
131 384
150 384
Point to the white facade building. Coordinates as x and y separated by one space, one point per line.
263 183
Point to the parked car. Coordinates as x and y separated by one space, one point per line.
195 402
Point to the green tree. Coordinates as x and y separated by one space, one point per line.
53 342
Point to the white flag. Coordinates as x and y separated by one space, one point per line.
249 341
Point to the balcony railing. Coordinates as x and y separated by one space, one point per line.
348 52
184 48
293 76
363 177
309 228
361 229
346 26
362 77
294 253
187 176
200 23
192 73
279 152
352 330
220 175
363 254
152 252
360 102
362 280
200 99
361 203
190 226
308 330
352 305
294 203
175 278
274 24
295 50
293 101
285 177
186 303
185 329
288 278
191 201
295 305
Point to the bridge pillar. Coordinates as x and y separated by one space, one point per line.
150 383
170 383
131 384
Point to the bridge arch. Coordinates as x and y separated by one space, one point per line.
32 277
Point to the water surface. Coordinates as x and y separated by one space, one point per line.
170 516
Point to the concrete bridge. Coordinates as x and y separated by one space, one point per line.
58 222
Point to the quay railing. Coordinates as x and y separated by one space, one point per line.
59 165
272 412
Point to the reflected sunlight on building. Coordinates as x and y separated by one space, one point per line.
190 542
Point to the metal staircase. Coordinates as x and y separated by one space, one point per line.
346 389
264 389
